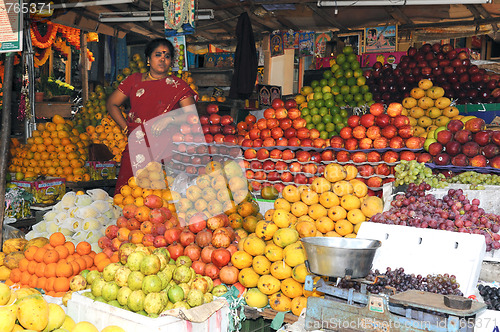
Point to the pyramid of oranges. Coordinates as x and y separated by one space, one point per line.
151 180
108 132
52 266
55 149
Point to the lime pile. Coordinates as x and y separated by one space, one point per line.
343 86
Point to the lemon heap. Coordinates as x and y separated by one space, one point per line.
428 108
55 149
272 259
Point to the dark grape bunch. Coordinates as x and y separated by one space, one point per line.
491 296
454 212
400 281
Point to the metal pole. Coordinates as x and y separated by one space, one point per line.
5 134
29 122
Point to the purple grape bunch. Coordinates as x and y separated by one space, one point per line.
454 212
399 281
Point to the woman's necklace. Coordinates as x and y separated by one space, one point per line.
153 78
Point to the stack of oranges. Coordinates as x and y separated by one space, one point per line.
52 266
149 181
109 133
56 149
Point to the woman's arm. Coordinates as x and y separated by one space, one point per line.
115 100
176 116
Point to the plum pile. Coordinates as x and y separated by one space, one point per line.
398 280
491 296
454 212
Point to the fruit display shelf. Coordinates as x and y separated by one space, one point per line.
298 176
459 169
191 157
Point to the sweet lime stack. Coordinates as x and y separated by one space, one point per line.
324 103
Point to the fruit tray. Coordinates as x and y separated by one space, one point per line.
305 148
325 162
453 168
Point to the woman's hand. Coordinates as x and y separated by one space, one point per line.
160 124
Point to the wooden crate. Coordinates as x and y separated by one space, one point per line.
48 109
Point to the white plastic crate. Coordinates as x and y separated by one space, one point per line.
82 308
488 197
428 251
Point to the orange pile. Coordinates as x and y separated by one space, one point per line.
109 133
55 149
149 181
52 266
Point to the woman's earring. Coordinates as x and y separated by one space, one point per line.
147 63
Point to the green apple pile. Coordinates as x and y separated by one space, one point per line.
343 86
150 282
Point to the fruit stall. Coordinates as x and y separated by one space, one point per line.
368 199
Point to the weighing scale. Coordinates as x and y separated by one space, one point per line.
358 310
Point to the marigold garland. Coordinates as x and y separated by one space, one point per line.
41 58
71 35
43 41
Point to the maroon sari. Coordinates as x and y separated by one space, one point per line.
149 100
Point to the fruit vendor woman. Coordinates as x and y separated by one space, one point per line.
157 100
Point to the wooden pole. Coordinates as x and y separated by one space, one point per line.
5 134
67 76
84 67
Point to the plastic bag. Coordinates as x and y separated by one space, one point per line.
180 184
98 194
10 232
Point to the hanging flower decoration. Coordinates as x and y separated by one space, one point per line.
68 35
92 37
43 41
41 57
90 55
72 35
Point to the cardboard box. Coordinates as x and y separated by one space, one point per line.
102 170
49 190
23 184
49 109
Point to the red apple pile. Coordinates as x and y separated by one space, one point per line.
447 67
467 145
281 125
209 243
217 128
378 129
278 168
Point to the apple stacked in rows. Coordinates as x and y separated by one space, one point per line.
428 108
378 129
217 128
447 67
464 145
280 167
281 125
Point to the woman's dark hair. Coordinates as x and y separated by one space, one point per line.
152 45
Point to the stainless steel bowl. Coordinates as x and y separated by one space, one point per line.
340 257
